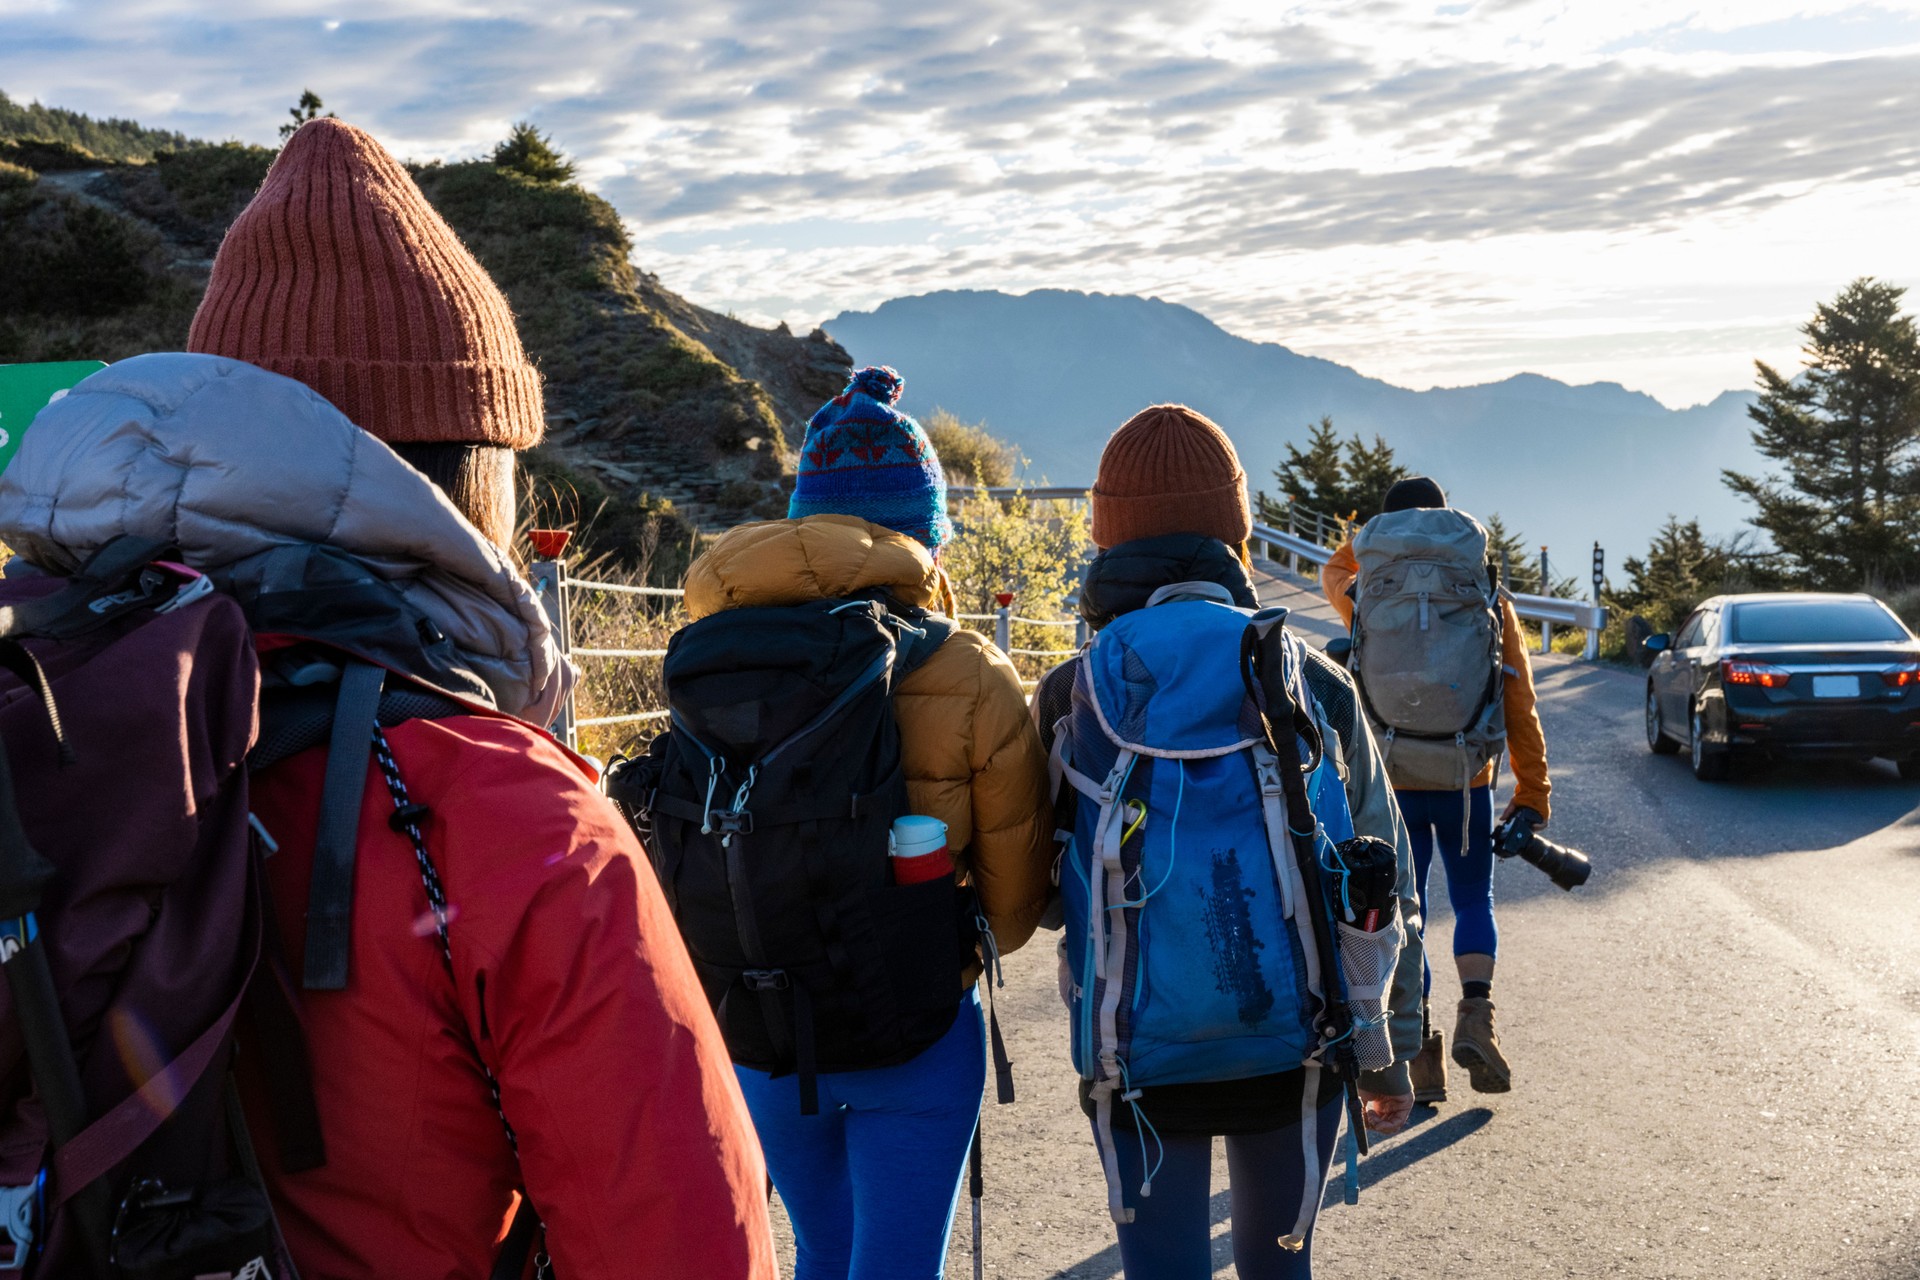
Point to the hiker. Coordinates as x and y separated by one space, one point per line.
822 697
1195 867
1445 809
500 1013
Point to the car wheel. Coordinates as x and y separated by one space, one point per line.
1709 765
1658 740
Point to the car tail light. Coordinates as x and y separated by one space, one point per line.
1901 676
1765 675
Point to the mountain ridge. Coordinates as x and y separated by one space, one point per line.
1055 370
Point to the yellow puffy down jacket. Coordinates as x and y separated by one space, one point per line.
970 750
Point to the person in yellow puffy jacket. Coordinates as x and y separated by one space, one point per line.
870 1182
1434 820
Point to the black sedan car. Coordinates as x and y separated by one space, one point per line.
1789 674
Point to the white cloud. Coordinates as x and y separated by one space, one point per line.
1439 192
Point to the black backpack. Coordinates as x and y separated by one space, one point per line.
765 809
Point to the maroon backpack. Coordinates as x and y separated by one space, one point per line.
133 931
129 924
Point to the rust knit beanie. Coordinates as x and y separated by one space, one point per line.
340 275
1169 469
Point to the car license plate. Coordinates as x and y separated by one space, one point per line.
1836 686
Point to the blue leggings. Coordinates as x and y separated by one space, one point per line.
1433 819
870 1183
1170 1237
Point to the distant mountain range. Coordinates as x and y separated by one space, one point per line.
1056 371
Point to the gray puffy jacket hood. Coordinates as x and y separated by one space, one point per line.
226 461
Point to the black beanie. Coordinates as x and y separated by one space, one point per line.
1414 491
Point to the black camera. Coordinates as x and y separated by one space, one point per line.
1568 868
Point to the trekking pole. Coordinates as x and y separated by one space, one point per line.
976 1185
24 874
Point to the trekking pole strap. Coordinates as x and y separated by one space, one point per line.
336 839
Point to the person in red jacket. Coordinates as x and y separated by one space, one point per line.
561 981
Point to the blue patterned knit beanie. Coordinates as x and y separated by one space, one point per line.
863 457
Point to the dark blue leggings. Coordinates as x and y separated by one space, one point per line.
1170 1237
870 1183
1433 819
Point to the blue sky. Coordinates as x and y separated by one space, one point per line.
1642 191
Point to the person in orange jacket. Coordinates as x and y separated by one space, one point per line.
1434 822
346 334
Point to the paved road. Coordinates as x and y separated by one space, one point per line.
1716 1045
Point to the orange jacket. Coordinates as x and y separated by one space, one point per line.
572 984
1526 744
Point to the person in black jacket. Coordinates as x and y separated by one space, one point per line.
1169 508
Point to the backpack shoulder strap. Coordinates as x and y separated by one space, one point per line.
356 711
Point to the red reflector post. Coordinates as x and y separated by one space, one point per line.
549 544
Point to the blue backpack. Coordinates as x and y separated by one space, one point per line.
1196 949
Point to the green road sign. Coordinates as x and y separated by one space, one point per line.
26 389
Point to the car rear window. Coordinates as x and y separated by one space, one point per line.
1814 622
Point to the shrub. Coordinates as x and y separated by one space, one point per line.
969 453
529 152
1033 549
212 184
60 256
14 177
49 155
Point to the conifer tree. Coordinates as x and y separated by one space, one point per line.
308 108
529 152
1846 432
1316 475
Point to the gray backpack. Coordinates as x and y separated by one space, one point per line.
1426 646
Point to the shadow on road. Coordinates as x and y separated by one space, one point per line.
1422 1139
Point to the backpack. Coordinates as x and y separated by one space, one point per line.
133 934
1199 933
1427 646
766 809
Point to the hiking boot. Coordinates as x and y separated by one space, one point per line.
1477 1048
1430 1071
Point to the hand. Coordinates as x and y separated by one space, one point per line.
1386 1113
1514 806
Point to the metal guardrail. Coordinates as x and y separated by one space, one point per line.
554 584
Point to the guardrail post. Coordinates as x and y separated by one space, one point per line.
1003 621
1293 557
1546 589
549 579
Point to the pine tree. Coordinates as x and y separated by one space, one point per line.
1847 433
1371 471
307 109
529 152
1315 476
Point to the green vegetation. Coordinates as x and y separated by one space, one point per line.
1348 479
1033 549
969 453
212 184
1846 430
308 108
101 141
531 154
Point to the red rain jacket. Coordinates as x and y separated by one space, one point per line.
572 981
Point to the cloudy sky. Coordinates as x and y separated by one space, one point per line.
1645 191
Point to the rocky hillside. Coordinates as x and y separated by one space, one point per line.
655 405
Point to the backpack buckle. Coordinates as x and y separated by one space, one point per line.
19 1208
731 822
766 979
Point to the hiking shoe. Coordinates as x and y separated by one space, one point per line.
1477 1048
1430 1071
